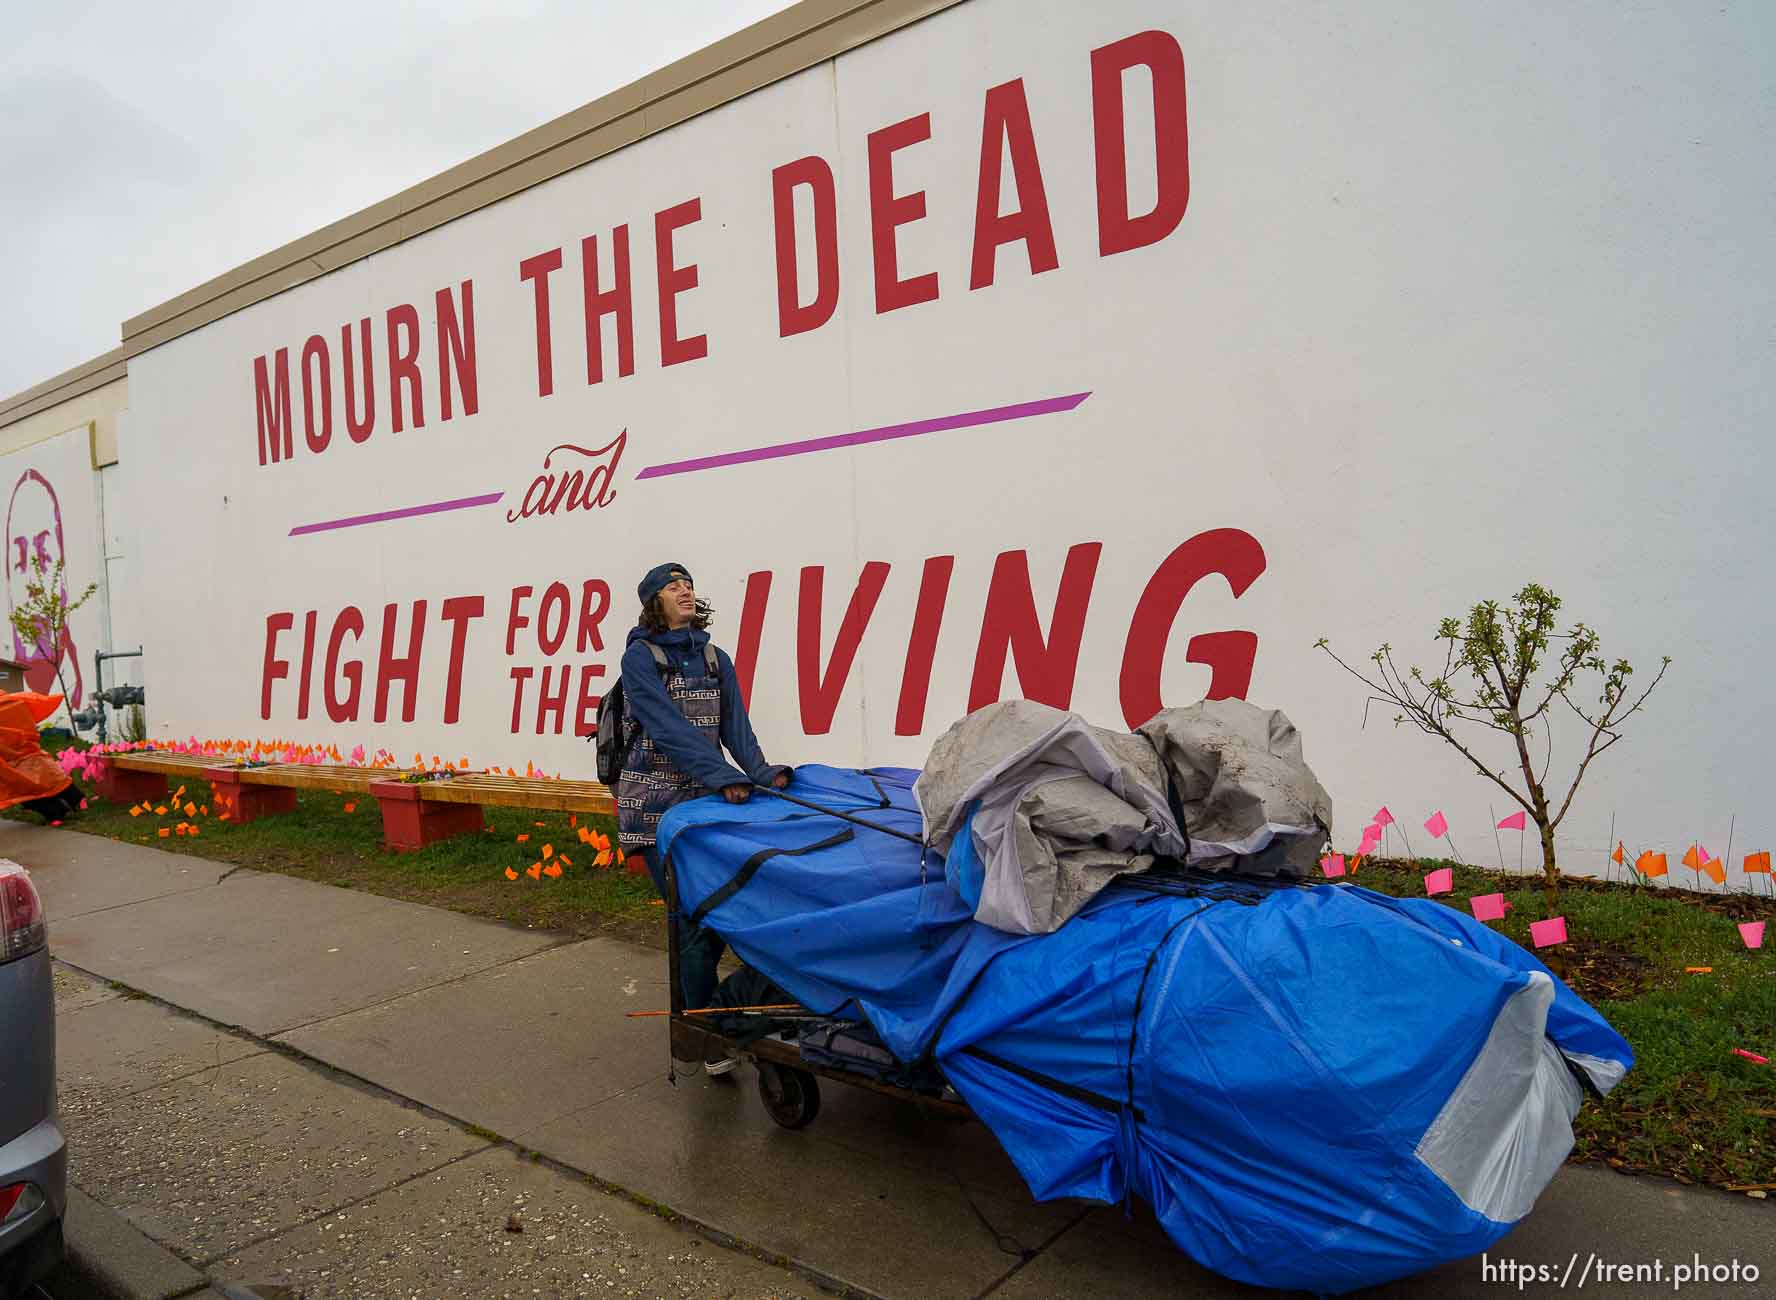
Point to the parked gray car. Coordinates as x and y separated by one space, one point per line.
33 1153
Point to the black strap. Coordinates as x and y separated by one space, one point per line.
1141 994
1061 1086
665 665
750 867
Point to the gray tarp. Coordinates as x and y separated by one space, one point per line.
1064 807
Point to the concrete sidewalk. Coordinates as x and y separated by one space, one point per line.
520 1035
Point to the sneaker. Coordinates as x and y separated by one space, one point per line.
717 1062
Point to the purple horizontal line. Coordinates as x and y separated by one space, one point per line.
966 420
382 516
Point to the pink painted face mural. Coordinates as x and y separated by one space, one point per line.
33 537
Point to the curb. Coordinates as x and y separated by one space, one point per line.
109 1258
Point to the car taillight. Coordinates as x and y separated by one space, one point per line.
18 1200
23 928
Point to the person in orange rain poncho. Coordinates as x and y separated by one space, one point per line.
28 776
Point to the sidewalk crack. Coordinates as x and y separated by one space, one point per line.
411 993
207 1261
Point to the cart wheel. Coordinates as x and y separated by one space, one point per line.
791 1096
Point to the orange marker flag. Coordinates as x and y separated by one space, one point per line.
603 859
1757 862
535 871
524 837
204 810
192 832
1650 864
573 820
180 829
161 811
137 812
1692 859
178 794
191 810
510 874
548 851
165 831
553 870
1714 871
565 861
1620 856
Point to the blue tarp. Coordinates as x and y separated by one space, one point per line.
1260 1066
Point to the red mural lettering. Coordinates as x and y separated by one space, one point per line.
1006 124
552 617
820 691
1045 667
272 398
515 620
1237 557
315 350
537 270
350 622
456 350
752 626
392 668
586 715
575 489
308 655
459 611
613 301
404 363
273 667
915 681
674 280
553 703
591 615
889 211
520 675
793 317
1158 52
358 429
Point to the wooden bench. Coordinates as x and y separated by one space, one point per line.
415 813
418 813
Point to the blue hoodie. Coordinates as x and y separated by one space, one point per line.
644 686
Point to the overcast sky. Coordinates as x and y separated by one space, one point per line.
145 148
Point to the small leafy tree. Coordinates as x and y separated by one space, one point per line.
1489 680
41 619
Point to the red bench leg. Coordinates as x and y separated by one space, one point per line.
241 804
410 823
122 787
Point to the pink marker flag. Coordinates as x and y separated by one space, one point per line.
1551 931
1332 864
1753 1057
1440 882
1437 826
1488 907
1384 817
1753 933
1515 822
1371 838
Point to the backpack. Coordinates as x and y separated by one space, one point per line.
612 732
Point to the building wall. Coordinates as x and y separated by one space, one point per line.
1454 303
